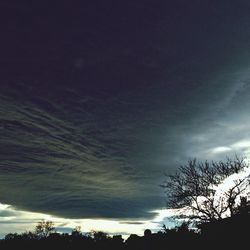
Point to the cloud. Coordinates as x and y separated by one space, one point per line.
77 155
243 144
132 222
65 162
219 150
21 221
95 141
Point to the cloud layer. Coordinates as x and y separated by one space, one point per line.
94 111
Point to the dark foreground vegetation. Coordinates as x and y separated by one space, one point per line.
228 233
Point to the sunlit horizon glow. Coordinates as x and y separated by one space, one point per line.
27 221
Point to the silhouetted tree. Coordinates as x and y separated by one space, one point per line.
29 236
44 228
77 232
100 236
11 236
194 187
147 233
244 206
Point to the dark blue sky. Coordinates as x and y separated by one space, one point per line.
98 100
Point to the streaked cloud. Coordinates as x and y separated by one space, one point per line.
94 114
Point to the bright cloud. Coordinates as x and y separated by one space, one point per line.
219 150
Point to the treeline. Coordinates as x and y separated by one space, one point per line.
227 233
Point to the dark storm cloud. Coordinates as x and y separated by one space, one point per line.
132 222
68 160
97 101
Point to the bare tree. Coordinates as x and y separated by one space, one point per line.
44 228
194 188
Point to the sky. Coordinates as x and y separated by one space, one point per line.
99 99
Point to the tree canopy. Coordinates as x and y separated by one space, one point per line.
44 228
204 191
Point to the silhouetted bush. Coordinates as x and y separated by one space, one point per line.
227 232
